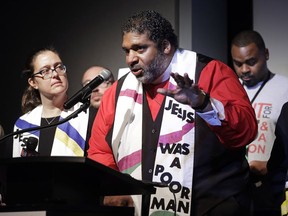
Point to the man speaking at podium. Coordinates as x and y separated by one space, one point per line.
178 118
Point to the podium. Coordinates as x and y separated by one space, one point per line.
65 184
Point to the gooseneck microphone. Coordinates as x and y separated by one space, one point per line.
83 94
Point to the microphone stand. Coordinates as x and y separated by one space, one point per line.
83 107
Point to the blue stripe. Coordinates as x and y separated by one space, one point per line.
22 124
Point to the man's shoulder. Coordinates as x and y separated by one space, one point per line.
280 79
188 54
280 76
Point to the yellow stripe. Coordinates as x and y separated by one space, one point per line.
284 205
70 143
284 208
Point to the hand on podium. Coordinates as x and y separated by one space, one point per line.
125 201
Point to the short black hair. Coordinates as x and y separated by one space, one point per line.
153 24
247 37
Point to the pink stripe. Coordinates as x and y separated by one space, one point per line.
130 160
132 94
177 135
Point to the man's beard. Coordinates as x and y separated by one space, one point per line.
154 70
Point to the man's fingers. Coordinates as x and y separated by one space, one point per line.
163 91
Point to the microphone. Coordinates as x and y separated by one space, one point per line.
30 143
85 92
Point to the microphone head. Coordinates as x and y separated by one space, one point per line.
30 143
105 74
83 94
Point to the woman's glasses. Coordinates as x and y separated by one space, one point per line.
47 73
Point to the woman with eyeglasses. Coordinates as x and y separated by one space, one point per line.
42 105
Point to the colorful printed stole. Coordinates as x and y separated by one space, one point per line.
175 150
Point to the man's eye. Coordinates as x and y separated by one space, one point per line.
141 49
251 62
238 64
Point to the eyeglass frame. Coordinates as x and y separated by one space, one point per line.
49 74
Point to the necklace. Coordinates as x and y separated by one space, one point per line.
49 122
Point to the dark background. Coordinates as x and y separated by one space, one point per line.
87 32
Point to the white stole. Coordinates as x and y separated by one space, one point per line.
175 150
69 139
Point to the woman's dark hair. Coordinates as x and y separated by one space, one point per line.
31 97
154 25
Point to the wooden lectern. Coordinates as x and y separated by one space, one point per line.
66 186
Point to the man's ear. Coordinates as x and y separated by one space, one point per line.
166 46
267 54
